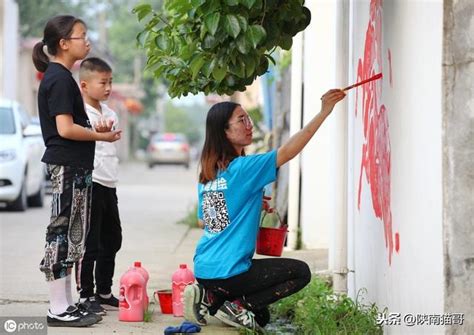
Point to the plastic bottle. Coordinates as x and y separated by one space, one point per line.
131 298
146 276
181 277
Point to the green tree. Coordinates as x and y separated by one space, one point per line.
216 46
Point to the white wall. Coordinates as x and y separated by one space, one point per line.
8 48
412 282
317 158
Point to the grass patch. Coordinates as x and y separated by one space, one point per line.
191 218
316 310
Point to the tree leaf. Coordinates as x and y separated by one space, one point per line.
197 3
180 6
211 6
250 65
218 73
197 64
209 42
142 38
208 67
285 42
242 22
203 31
187 51
243 45
238 69
212 22
256 9
262 66
157 73
152 64
270 58
142 11
232 2
231 25
255 34
162 42
247 3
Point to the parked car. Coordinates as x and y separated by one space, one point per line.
21 148
168 148
48 186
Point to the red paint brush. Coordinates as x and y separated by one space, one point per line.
377 76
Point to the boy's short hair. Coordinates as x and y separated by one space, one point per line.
92 64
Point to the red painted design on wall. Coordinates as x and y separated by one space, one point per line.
375 161
397 242
390 67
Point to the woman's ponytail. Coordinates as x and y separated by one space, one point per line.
40 59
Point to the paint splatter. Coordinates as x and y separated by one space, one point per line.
390 67
397 242
375 159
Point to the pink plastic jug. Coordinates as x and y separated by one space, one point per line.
181 277
146 276
131 298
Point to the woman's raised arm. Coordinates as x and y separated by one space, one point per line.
297 142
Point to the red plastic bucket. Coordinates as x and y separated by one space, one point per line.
166 301
270 241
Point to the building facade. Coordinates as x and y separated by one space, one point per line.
386 184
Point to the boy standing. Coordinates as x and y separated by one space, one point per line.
105 235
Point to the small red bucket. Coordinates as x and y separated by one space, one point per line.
165 299
270 241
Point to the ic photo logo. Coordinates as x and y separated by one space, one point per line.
9 326
23 325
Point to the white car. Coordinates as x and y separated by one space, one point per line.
168 148
21 148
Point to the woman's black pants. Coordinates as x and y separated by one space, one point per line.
268 280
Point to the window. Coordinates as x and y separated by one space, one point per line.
7 121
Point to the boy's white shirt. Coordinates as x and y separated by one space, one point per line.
106 160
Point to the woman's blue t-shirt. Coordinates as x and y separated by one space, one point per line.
230 208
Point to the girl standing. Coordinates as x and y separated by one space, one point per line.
69 155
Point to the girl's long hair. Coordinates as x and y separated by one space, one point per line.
217 151
57 28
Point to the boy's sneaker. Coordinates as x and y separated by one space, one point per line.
92 305
72 317
196 304
111 301
84 311
237 316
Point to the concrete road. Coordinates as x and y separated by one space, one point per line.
151 201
